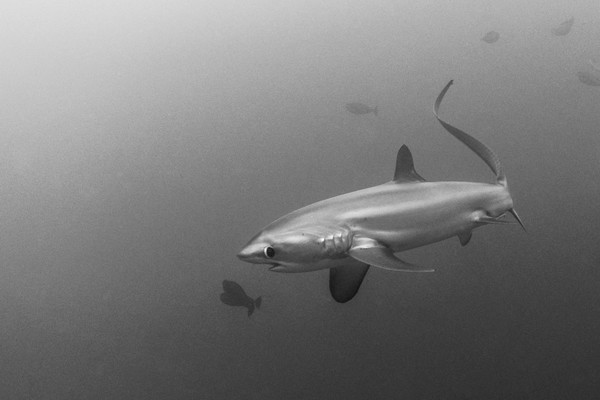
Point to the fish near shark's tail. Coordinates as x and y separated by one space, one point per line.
484 152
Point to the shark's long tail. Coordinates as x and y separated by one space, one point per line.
484 152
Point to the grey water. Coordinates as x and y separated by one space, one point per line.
143 143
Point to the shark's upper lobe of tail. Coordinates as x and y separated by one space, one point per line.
484 152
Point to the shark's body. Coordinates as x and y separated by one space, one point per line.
348 233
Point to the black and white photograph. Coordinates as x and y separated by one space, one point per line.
300 200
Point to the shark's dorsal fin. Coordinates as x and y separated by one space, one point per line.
484 152
345 281
405 168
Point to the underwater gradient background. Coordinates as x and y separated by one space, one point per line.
142 145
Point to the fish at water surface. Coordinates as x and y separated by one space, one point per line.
349 233
360 109
234 295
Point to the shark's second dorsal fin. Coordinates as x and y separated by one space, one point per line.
405 168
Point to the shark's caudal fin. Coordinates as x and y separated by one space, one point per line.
484 152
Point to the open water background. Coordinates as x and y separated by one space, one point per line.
142 145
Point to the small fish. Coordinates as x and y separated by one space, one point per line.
234 295
564 28
360 108
589 78
491 37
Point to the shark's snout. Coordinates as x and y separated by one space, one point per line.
245 254
252 253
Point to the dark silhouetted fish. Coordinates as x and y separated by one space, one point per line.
589 78
564 28
491 37
360 108
234 295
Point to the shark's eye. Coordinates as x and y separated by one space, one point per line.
269 252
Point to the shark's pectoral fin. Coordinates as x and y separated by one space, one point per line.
465 238
374 253
345 281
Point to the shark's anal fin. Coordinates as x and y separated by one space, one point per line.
465 238
405 168
345 281
374 253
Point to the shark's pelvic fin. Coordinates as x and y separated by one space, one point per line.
465 238
344 282
484 152
405 168
377 255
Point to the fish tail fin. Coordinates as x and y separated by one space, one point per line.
375 111
258 302
250 309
